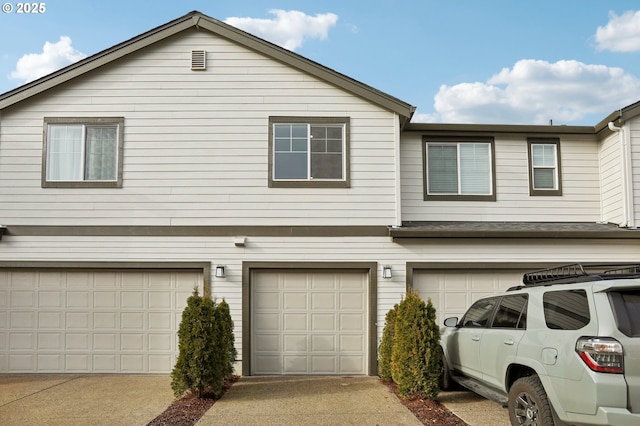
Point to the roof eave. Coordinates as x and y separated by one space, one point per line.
528 129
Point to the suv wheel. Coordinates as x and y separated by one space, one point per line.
528 403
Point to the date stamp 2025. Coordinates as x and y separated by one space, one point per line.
24 8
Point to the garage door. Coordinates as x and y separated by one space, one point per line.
309 322
453 291
92 321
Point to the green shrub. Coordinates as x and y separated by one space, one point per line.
434 354
227 339
205 342
386 345
415 362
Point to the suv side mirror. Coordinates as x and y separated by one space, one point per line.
451 322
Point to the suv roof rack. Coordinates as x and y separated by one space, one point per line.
581 272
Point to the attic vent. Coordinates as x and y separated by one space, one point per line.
198 60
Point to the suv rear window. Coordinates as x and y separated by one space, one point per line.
566 309
626 309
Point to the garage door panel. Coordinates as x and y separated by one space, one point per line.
318 320
352 343
295 364
294 342
323 322
18 320
83 321
323 343
293 301
351 364
22 299
324 364
319 301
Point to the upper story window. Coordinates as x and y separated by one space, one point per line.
544 167
83 152
459 169
308 152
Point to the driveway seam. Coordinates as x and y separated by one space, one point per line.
40 390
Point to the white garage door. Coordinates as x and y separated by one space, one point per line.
453 291
100 322
309 322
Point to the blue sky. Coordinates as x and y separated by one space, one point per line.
457 61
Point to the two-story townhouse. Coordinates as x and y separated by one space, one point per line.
197 155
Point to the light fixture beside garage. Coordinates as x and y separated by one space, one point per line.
220 271
386 271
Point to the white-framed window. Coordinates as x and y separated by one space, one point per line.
308 151
83 152
544 167
459 169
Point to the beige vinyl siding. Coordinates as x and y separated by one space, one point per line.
580 200
195 150
221 250
611 179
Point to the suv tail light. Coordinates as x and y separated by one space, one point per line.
601 354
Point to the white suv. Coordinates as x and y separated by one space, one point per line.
564 348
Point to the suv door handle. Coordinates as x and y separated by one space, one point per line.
475 338
509 342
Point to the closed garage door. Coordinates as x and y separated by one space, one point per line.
309 322
453 291
92 321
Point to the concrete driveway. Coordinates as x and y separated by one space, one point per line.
75 399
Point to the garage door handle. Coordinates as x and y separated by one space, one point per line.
509 342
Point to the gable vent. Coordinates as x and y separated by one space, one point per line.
198 60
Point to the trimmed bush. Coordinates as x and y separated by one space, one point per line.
386 345
434 353
415 356
227 339
206 348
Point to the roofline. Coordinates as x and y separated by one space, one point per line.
499 128
619 117
198 20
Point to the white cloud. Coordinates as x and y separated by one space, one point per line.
53 57
534 92
289 29
621 34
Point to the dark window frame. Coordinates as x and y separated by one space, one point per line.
85 121
426 140
536 192
311 183
503 316
465 322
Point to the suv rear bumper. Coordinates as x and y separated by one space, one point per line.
606 416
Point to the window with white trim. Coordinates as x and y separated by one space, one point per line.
459 169
83 152
308 151
544 167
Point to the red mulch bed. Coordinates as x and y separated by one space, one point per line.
188 410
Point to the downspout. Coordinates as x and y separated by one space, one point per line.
627 183
396 154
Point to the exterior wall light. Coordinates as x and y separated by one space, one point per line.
220 271
386 271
